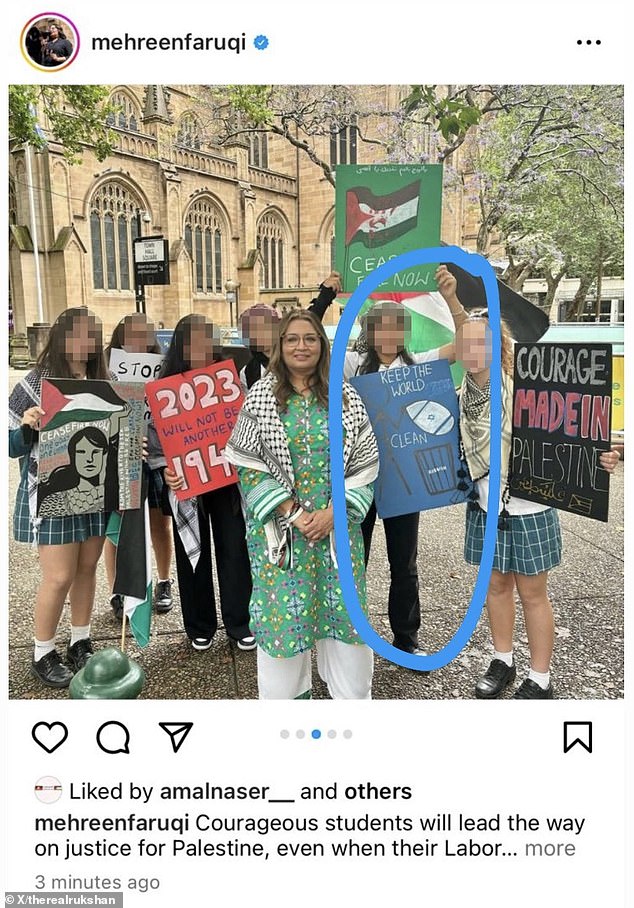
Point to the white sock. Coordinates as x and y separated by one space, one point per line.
79 633
506 658
42 647
167 580
541 678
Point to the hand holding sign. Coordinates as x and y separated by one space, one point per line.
194 413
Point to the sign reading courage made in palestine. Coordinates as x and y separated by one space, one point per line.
381 211
561 424
414 414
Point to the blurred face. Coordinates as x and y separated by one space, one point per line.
82 339
301 347
263 331
198 350
473 345
88 459
386 334
138 334
53 32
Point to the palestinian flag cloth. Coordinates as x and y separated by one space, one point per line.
129 531
376 220
431 322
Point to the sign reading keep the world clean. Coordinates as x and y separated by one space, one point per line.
414 414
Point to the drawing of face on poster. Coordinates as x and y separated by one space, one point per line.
79 486
89 447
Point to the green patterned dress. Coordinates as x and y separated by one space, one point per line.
292 609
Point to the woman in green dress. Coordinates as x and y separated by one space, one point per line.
280 445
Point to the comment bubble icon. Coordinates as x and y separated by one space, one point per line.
113 738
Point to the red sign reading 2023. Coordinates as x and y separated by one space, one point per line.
194 413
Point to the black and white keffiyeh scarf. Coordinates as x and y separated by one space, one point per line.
475 428
259 442
26 394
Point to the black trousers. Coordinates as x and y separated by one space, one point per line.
220 508
403 605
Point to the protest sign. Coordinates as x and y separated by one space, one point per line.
414 414
381 211
143 367
194 413
561 424
89 447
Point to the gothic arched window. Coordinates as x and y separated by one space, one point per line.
258 150
189 132
113 227
203 238
126 114
271 242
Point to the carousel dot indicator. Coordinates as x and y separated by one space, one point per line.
300 733
316 733
284 733
347 733
332 733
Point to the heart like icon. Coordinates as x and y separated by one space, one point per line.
49 735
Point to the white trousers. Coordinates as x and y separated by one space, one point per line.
345 667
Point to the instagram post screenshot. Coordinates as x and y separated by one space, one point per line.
315 370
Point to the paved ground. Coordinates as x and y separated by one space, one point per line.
587 594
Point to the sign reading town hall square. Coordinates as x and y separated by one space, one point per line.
561 425
151 260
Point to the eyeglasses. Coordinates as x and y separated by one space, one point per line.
293 340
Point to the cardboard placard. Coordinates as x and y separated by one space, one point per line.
194 413
90 447
414 414
381 211
562 402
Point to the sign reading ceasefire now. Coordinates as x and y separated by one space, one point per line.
194 414
561 425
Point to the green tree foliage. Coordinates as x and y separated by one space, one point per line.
547 174
73 115
428 125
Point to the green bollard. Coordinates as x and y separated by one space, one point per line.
108 675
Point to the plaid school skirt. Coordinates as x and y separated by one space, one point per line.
155 487
530 545
55 530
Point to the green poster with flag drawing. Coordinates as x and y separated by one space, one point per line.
381 211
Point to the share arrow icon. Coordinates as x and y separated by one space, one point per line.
177 732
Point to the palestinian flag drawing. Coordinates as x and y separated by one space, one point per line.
382 211
377 220
129 531
68 400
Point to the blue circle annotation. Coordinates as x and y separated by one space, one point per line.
477 266
316 733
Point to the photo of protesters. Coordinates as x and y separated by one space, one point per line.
197 209
529 542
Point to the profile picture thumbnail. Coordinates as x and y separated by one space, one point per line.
50 41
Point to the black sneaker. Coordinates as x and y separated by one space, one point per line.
79 653
201 643
116 602
246 643
414 650
530 690
163 596
497 677
51 671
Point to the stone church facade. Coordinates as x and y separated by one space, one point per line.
257 213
